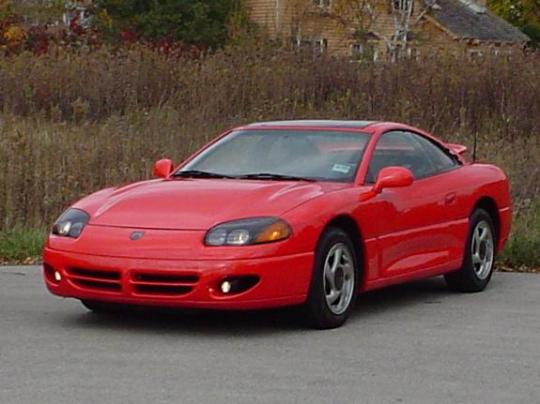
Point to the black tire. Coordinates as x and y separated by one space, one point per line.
470 278
318 312
102 307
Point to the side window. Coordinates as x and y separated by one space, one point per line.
439 158
414 152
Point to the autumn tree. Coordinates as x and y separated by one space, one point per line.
524 14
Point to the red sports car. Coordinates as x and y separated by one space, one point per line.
286 213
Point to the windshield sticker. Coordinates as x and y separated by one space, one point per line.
342 168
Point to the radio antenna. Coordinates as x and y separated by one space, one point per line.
475 146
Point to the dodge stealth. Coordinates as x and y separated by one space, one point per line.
290 213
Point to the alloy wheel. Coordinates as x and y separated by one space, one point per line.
339 278
482 250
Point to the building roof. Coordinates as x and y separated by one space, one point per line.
468 20
317 123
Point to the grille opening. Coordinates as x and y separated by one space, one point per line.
162 290
97 285
166 278
90 273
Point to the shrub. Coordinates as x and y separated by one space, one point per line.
20 245
523 248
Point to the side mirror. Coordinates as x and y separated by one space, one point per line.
163 168
393 177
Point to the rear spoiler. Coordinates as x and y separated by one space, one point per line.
457 148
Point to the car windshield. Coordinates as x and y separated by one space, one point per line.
281 155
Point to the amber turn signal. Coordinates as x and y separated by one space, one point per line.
257 230
278 230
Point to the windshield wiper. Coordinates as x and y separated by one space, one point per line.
253 176
199 174
270 176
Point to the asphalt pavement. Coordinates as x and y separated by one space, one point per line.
417 343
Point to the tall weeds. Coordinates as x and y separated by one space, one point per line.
72 123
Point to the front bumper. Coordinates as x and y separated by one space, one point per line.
282 280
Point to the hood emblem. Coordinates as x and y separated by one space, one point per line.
136 235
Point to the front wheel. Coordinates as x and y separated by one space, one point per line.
334 281
478 263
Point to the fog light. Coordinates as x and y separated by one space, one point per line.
225 287
57 276
234 285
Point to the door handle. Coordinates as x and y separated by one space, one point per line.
450 198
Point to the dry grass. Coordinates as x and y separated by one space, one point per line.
74 123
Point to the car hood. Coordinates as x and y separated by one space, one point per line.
197 204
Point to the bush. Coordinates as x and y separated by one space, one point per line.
533 31
523 248
21 245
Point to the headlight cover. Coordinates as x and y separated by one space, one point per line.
71 223
258 230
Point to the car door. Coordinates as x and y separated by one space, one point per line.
416 232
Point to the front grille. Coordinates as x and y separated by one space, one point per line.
163 284
94 279
160 278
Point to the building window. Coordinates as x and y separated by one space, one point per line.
475 54
317 46
413 53
402 5
325 4
363 51
320 45
357 50
300 43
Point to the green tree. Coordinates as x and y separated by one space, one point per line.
196 22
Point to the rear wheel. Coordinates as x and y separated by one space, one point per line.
478 263
334 281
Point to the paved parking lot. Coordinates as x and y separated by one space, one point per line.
416 343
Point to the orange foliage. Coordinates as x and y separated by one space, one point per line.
14 35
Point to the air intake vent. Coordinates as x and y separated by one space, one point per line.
163 284
94 279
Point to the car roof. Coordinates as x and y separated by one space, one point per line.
315 123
